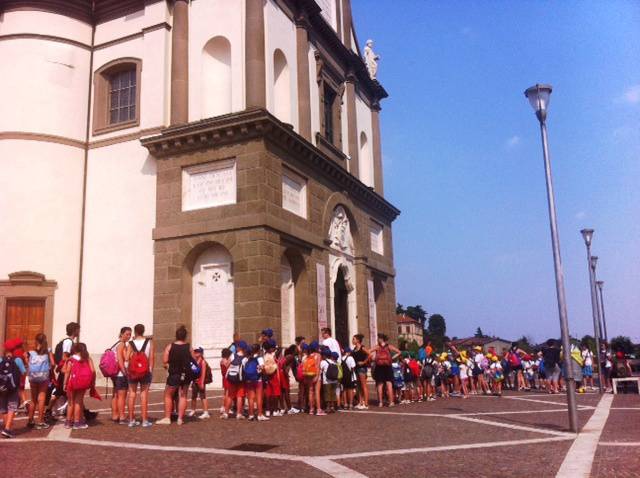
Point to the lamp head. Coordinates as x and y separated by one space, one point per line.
600 284
594 262
587 235
539 95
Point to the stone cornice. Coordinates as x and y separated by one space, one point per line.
259 123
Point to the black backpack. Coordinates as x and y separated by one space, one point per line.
428 370
208 376
332 371
58 353
346 373
9 376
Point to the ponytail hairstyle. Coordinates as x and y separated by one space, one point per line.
81 349
42 346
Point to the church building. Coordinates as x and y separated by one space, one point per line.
212 163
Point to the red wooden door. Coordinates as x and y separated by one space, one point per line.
25 319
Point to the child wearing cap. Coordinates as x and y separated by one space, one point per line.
349 379
271 379
329 372
198 386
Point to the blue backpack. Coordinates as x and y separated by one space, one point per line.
39 367
9 375
251 370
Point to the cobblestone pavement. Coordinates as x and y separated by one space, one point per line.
520 434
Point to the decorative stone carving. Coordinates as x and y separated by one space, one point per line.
371 59
340 231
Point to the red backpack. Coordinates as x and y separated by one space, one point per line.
138 362
81 376
514 359
383 356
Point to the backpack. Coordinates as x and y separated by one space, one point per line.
39 367
428 369
346 378
194 369
234 372
383 356
59 351
108 362
270 365
415 367
139 362
81 376
251 370
514 359
621 369
332 372
310 366
208 376
397 376
299 371
9 376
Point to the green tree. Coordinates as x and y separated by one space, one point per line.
623 343
589 341
399 309
525 343
437 326
479 333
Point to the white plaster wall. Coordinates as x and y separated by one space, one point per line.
363 122
133 23
118 256
314 97
154 50
208 19
40 217
45 89
280 33
45 23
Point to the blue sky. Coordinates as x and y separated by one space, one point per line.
463 161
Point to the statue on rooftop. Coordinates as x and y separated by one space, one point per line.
371 59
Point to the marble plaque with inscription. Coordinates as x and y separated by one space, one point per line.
208 185
294 194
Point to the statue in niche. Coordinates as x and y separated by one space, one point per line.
340 231
371 59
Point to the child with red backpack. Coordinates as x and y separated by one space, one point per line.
199 385
79 375
139 368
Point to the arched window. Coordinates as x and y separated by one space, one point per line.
281 87
365 161
117 95
216 77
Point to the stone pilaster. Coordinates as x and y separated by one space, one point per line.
377 150
180 63
255 69
304 89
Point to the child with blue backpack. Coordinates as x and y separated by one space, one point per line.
41 363
398 381
252 375
11 370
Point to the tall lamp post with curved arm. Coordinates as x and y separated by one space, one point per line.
539 95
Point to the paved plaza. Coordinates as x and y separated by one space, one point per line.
520 434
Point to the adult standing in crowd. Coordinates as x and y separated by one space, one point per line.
177 358
120 381
384 353
361 357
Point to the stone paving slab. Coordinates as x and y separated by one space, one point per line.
616 462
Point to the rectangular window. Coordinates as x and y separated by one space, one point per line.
376 238
209 185
122 96
400 329
329 100
294 193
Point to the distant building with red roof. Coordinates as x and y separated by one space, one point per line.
496 343
409 329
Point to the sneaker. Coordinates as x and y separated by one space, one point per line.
164 421
7 433
146 424
204 416
68 424
240 416
268 413
224 416
42 426
321 413
123 421
277 413
191 414
294 410
179 421
133 423
80 426
262 418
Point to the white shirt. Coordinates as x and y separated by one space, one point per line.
351 364
66 345
588 357
333 345
139 343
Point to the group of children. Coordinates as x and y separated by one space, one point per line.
258 379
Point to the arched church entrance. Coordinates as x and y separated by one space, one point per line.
212 309
341 309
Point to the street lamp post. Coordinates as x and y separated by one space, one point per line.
538 96
600 285
587 235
